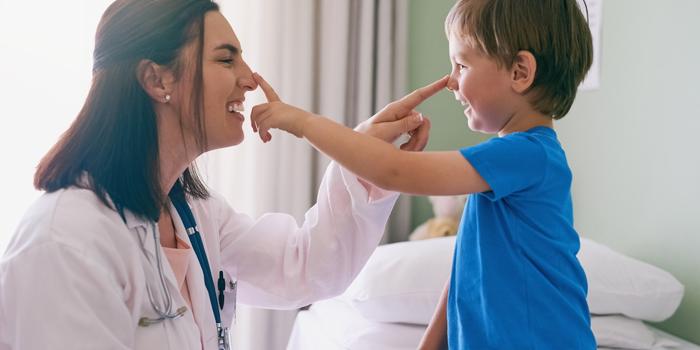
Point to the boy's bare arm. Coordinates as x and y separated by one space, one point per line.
425 173
421 173
435 337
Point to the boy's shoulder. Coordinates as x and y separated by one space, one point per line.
520 162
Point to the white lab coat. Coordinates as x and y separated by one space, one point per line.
74 275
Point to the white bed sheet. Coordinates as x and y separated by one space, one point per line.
335 325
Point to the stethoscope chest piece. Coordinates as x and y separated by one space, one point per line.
145 321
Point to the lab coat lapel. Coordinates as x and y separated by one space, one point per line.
180 331
143 230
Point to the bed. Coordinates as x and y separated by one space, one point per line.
335 325
391 301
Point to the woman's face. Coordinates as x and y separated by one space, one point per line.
225 78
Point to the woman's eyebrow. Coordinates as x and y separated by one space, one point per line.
234 50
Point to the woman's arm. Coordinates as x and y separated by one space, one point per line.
435 337
283 264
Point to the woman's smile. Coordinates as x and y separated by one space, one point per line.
235 108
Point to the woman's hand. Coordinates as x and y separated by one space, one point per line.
276 114
414 124
400 117
395 119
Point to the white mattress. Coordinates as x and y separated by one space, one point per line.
335 325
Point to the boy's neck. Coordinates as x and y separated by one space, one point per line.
524 121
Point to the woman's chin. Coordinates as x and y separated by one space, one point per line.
225 142
235 141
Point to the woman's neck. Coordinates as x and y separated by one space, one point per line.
175 153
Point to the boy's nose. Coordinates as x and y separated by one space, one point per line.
452 84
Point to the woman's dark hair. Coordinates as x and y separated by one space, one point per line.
114 139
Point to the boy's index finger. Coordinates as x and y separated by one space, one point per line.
269 92
419 95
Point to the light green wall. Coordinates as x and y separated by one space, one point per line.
428 61
633 145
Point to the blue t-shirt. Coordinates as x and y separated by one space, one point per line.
516 282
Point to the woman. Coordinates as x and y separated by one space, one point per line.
104 258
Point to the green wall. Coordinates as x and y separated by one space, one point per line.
428 61
632 144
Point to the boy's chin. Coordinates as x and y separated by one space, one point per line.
476 126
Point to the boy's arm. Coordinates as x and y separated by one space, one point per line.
435 337
424 173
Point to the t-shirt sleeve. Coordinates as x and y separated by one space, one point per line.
509 164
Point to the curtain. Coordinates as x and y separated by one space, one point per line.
341 59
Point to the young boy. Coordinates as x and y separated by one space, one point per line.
516 282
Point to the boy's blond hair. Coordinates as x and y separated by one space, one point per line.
554 31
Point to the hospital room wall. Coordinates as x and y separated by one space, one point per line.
632 144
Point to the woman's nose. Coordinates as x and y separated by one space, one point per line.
245 78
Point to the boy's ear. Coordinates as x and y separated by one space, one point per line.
155 80
523 71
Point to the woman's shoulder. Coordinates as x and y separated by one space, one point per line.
75 205
213 207
216 214
70 217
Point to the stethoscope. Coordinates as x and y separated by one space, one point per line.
165 312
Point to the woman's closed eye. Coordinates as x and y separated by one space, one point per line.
227 61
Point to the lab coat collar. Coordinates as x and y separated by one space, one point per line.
133 222
142 227
199 299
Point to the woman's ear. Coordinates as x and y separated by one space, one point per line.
155 80
523 71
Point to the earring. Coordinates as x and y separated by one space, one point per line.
167 98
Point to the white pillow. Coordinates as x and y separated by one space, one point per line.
402 282
618 284
620 332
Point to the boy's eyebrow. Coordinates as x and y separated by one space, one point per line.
232 49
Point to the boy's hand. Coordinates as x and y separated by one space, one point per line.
400 117
276 114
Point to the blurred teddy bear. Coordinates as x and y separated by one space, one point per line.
448 213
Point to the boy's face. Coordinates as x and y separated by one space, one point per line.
481 86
